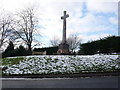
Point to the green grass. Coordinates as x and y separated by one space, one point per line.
60 69
11 61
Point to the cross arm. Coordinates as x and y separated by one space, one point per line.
64 17
67 15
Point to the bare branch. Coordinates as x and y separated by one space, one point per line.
26 26
74 42
5 28
55 41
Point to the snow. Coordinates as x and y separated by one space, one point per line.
37 78
48 64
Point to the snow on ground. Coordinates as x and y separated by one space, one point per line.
60 64
37 78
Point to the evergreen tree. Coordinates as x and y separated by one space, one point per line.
10 47
21 51
105 45
9 50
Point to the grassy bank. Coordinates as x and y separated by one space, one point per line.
60 64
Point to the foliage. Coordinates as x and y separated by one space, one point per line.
106 45
21 51
10 51
49 50
10 47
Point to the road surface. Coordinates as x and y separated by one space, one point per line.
93 82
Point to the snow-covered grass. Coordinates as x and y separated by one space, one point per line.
60 64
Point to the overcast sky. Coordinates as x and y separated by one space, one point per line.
88 19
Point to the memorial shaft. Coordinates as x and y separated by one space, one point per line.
64 26
64 47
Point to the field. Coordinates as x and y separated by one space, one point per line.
59 64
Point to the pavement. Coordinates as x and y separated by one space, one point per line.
82 82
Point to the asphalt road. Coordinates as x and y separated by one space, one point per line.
93 82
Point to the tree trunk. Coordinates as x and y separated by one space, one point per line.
29 49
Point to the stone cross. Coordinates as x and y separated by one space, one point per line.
64 26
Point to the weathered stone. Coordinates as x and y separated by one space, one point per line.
64 47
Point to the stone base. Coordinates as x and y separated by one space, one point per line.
63 49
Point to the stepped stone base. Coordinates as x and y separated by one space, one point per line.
63 48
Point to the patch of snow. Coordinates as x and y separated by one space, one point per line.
46 64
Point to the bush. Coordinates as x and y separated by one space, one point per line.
10 51
21 51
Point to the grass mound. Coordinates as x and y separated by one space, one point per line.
60 64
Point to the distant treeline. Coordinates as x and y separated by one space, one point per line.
49 50
105 45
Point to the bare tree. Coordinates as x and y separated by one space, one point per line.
55 41
74 42
26 24
5 28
